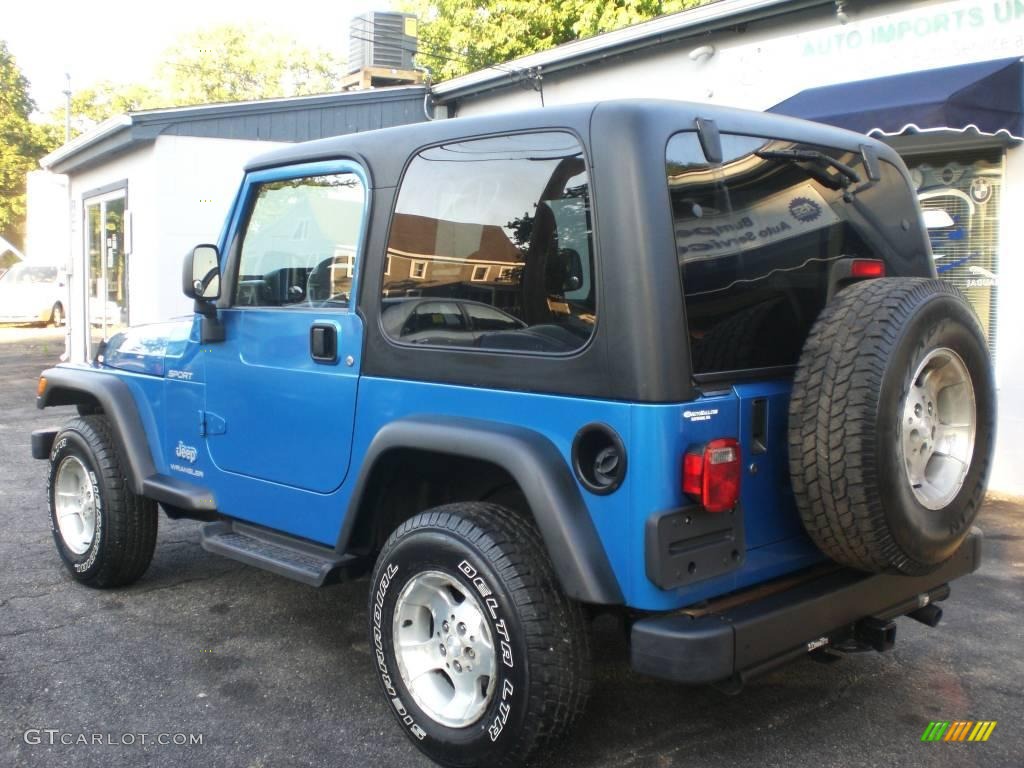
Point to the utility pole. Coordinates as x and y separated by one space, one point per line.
67 107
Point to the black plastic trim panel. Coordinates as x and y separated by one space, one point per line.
757 635
42 443
684 546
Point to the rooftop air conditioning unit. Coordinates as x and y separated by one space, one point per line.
385 40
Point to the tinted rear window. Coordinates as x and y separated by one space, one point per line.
757 237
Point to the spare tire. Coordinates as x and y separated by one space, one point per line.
891 425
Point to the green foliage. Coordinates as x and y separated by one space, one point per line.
237 63
223 63
459 36
21 144
93 105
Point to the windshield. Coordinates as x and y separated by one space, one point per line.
23 274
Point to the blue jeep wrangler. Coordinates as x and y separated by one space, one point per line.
683 363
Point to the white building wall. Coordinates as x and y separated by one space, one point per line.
47 238
197 179
1008 469
771 62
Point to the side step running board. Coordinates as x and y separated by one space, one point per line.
279 553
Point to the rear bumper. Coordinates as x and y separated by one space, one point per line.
763 632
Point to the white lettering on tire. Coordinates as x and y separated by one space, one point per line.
94 549
505 704
378 649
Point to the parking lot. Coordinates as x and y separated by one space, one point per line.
273 673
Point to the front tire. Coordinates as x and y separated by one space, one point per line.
105 534
57 315
482 658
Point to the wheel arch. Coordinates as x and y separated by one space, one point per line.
68 386
526 458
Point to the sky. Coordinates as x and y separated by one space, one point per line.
121 42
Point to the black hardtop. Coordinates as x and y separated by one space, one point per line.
385 151
638 352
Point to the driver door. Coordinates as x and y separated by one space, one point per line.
281 387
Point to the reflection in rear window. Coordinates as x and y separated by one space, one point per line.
756 239
491 247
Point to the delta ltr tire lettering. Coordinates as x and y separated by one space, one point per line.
482 659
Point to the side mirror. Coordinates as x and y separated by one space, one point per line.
200 278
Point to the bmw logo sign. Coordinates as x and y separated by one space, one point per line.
804 209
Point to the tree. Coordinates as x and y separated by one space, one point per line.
223 63
459 36
237 63
21 144
93 105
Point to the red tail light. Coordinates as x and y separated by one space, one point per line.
867 268
711 474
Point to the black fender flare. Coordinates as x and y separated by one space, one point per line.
65 386
545 479
73 386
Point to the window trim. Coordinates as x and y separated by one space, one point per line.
413 264
483 279
597 273
233 236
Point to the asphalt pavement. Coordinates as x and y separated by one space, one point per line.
252 670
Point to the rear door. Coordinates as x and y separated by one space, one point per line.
760 236
281 388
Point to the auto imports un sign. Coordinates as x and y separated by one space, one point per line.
915 37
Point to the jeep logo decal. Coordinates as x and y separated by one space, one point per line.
186 452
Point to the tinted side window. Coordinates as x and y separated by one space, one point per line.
300 244
492 238
756 238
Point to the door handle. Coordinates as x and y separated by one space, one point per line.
323 343
759 426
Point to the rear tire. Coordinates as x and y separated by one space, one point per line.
883 480
57 315
105 534
485 566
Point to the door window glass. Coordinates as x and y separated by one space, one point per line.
501 230
300 246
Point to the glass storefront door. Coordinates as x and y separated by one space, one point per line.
106 297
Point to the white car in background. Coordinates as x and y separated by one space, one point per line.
32 293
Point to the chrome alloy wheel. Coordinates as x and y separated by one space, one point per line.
444 649
938 428
74 501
